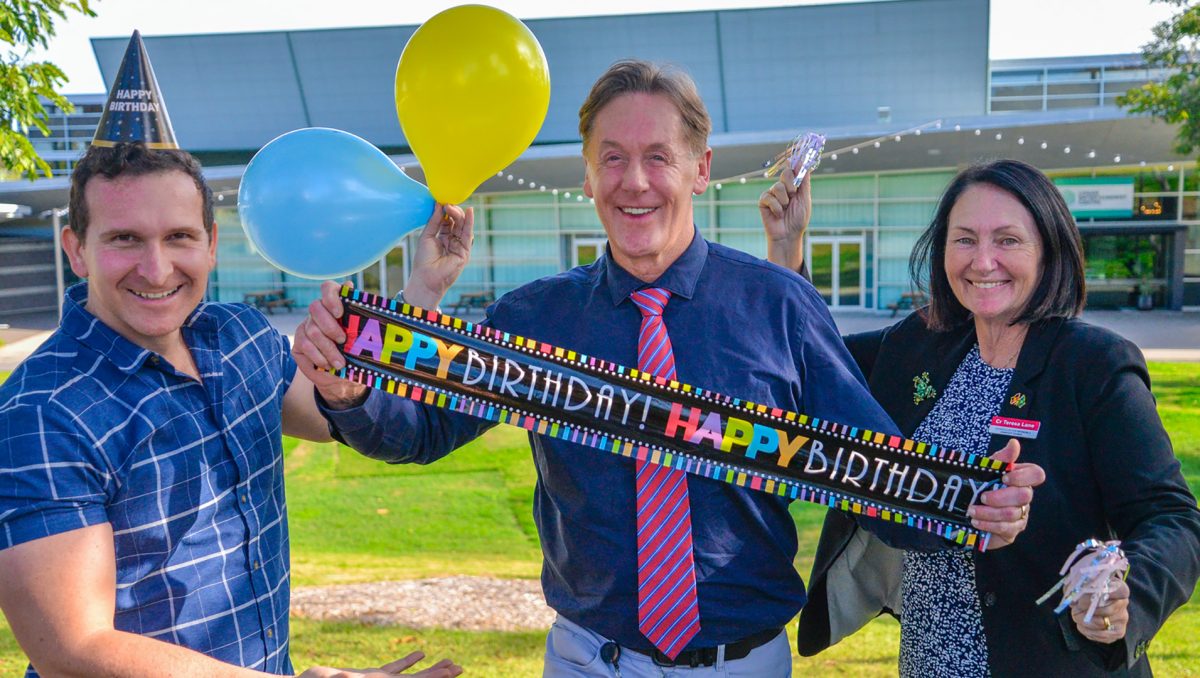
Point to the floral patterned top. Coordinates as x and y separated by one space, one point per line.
941 627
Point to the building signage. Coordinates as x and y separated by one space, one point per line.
1098 197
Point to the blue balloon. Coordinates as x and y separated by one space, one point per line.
323 203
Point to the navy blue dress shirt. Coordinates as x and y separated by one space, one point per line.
739 326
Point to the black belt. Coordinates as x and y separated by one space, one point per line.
707 656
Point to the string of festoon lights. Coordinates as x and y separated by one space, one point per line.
531 185
876 143
879 143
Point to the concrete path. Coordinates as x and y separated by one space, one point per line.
1167 336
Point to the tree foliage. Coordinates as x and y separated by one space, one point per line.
26 25
1175 99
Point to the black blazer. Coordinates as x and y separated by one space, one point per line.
1110 474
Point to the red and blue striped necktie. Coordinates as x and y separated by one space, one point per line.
668 614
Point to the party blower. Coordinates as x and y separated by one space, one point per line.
472 90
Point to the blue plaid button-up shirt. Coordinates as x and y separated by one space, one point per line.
95 429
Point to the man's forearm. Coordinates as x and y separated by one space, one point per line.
120 655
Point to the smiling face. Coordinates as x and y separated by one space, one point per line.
993 253
642 175
146 255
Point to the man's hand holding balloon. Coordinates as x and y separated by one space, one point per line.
443 251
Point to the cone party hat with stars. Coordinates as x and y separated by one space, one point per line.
135 110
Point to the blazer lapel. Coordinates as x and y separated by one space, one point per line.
1035 353
911 391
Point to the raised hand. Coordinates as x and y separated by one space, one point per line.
785 211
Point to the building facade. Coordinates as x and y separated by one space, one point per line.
902 88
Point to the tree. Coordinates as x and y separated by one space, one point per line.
24 26
1176 99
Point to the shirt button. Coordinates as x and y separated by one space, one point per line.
270 633
257 564
989 599
245 499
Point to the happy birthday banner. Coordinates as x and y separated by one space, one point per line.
440 360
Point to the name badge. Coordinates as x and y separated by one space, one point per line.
1018 428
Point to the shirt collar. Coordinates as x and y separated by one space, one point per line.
79 324
679 279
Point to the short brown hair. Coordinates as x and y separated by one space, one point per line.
633 75
132 159
1061 291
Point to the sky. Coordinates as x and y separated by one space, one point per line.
1019 28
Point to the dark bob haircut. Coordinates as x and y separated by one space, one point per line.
1060 291
132 159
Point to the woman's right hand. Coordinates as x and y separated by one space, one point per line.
785 211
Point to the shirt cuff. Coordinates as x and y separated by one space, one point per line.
347 422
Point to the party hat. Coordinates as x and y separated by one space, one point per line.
135 110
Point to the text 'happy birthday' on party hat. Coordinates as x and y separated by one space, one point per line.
135 110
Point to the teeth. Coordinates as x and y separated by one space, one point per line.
987 285
160 295
637 210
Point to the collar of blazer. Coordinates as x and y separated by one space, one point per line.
939 354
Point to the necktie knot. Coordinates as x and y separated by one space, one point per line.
651 301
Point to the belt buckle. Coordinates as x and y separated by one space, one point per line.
705 656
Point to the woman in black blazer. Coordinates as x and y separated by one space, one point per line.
998 349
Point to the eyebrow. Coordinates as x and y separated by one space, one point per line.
970 229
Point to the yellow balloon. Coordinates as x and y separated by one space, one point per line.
472 90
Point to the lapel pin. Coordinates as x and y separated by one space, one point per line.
922 389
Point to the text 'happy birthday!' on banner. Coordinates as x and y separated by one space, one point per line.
443 361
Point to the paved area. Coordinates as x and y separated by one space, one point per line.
1170 336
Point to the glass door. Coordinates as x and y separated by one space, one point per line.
387 276
586 250
836 264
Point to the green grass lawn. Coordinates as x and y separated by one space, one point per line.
354 519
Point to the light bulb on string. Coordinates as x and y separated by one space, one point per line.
999 136
1020 141
1045 145
1066 149
1116 158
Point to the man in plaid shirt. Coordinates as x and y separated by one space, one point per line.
143 528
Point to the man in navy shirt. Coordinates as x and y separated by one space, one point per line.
738 325
143 528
